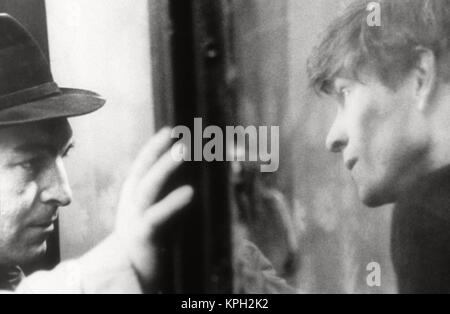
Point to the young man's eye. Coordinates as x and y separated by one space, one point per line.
344 92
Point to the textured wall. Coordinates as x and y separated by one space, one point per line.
104 46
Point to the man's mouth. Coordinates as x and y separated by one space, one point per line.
47 225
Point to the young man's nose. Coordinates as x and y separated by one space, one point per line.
337 139
56 188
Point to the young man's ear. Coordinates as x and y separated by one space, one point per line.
425 77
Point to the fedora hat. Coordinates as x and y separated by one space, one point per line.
27 90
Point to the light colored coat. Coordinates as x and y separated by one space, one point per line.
104 270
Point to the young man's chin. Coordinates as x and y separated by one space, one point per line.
373 197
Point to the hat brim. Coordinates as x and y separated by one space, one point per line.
70 103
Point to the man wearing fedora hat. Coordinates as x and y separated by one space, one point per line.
35 135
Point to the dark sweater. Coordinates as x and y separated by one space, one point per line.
421 236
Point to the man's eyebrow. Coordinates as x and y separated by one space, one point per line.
44 147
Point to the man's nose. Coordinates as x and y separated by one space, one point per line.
337 138
56 186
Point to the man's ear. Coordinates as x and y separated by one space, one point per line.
425 77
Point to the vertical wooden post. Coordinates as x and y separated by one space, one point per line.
189 81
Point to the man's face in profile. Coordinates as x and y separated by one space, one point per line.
379 132
33 185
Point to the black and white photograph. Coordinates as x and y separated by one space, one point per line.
227 149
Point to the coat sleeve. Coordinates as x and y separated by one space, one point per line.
255 274
105 270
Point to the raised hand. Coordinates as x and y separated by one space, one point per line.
139 213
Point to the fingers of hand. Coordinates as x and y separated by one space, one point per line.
152 183
157 145
163 210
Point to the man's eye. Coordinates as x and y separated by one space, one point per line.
68 150
28 165
31 166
